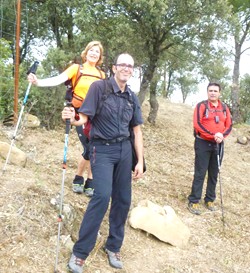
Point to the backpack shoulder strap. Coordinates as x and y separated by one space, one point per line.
224 106
78 76
206 111
205 102
100 72
95 76
131 99
108 89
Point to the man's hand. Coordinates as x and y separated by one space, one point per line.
138 173
68 113
218 137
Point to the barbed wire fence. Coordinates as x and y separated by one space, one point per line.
12 90
33 48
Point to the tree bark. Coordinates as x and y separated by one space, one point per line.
55 28
167 94
154 105
149 71
235 85
147 77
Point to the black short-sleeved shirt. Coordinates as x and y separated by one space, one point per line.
117 112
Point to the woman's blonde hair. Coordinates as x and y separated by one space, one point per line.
88 47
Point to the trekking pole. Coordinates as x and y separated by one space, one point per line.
221 195
32 69
64 166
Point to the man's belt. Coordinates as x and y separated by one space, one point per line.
211 141
110 141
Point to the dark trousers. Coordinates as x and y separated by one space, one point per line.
206 161
111 168
85 142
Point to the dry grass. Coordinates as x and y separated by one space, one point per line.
28 220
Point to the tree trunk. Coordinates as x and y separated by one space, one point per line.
235 86
170 73
148 74
70 28
55 28
147 77
164 89
154 106
184 92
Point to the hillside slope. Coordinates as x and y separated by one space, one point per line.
29 221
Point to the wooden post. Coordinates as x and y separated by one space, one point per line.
16 79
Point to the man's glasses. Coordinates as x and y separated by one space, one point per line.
123 66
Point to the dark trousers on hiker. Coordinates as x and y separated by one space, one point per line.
206 161
85 142
111 168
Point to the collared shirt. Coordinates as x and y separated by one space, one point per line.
117 113
208 123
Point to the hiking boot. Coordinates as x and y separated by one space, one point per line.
210 206
89 192
194 208
77 188
114 258
88 187
78 184
75 264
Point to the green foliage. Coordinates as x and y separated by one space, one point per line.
226 94
239 28
212 63
108 25
47 104
6 79
5 52
239 5
181 28
56 62
186 81
245 98
178 40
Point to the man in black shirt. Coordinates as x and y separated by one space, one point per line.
111 160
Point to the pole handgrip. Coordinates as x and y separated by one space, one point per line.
218 148
67 126
33 68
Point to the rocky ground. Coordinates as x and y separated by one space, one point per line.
28 219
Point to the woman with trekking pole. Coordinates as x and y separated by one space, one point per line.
79 77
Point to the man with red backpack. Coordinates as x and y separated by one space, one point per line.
212 124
